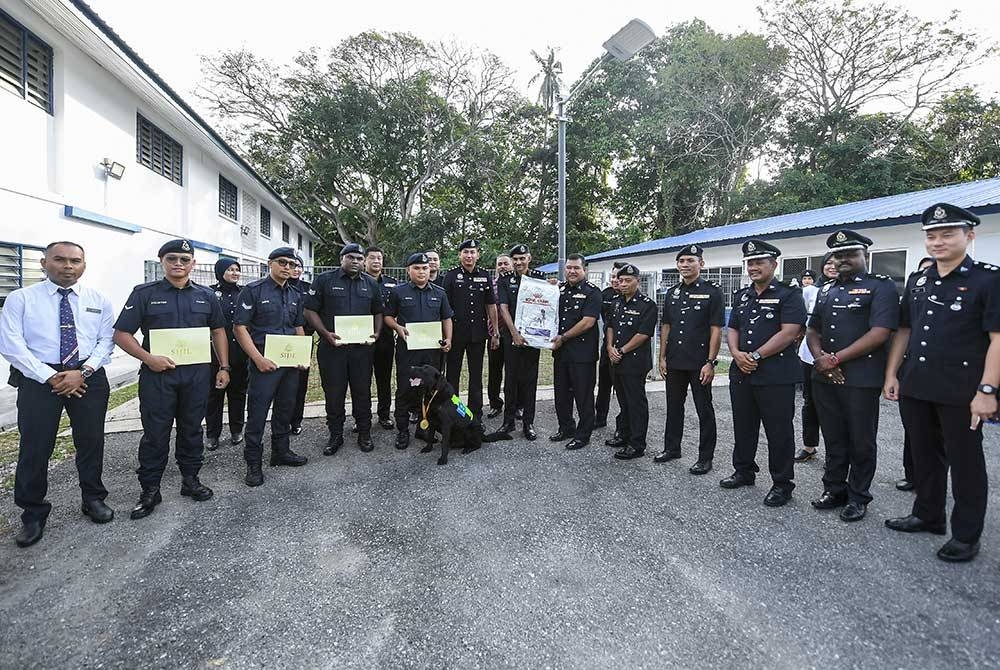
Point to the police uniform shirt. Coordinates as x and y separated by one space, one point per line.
608 298
950 320
410 304
758 318
266 308
691 310
508 286
386 285
576 302
844 312
227 295
303 287
160 304
337 293
631 317
468 295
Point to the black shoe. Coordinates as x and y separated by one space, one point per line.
615 440
777 497
561 436
701 468
665 456
333 444
506 428
628 453
736 480
386 423
255 476
954 551
519 414
148 500
402 439
212 444
575 444
194 489
237 437
829 501
529 432
97 511
905 485
855 511
494 412
803 455
601 422
365 441
287 458
914 524
296 430
30 534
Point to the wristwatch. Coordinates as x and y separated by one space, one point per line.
755 355
988 389
226 368
713 362
86 372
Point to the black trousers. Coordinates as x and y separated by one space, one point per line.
774 406
630 387
574 383
604 385
940 439
810 420
269 391
474 351
677 383
383 351
406 397
38 413
849 417
235 393
179 395
520 381
340 367
496 376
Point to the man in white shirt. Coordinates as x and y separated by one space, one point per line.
57 336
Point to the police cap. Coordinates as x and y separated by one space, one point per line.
175 246
847 240
759 249
808 273
943 215
519 250
628 270
469 244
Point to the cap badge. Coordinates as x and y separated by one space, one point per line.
751 246
185 246
939 213
694 249
841 237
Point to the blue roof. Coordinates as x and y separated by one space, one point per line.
981 197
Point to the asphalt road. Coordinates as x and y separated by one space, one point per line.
520 555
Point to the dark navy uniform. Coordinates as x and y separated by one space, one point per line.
299 409
410 304
604 383
266 308
180 394
574 362
336 293
236 390
382 354
468 294
496 355
520 363
629 318
690 310
848 413
768 394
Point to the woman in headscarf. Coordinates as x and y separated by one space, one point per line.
227 289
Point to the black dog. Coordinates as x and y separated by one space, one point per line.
444 413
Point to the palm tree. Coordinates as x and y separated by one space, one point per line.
550 72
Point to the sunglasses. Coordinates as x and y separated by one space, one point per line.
285 263
171 259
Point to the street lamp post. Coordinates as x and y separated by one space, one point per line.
620 47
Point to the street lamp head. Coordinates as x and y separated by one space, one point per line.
628 41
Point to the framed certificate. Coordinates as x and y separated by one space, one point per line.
288 351
537 316
184 346
354 329
423 335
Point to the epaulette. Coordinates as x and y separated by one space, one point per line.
256 282
454 267
146 285
591 284
883 277
986 266
916 272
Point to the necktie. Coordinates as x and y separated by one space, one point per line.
69 349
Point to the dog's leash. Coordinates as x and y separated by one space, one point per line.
424 423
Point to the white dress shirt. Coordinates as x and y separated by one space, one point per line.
29 328
809 295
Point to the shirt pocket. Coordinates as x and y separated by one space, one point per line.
201 313
161 316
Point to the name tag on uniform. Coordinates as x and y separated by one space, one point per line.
702 296
859 291
579 295
632 312
93 310
338 288
769 301
481 279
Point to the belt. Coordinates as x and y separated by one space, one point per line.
59 367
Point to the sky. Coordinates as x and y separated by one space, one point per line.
171 37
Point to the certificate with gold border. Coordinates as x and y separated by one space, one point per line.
423 335
184 346
354 329
288 351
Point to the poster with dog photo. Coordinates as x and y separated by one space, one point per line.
536 316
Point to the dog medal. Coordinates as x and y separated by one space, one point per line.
424 424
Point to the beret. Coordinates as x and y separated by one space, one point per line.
352 248
692 250
519 250
469 244
281 252
419 258
175 246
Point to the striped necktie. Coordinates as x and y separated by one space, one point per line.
69 349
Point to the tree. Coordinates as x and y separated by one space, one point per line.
550 72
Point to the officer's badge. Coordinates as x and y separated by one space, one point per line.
459 275
694 248
218 294
744 297
841 237
312 292
826 288
921 281
751 246
769 315
246 306
185 246
956 307
677 292
939 213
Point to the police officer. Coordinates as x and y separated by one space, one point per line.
384 348
574 353
766 320
628 336
434 263
944 368
269 306
346 291
520 360
471 297
169 392
605 387
852 320
227 290
302 286
690 336
415 301
503 266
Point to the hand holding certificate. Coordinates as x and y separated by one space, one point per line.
537 315
183 346
288 351
423 335
355 329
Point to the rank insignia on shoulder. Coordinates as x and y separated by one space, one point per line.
246 306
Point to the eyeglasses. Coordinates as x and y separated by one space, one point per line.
171 259
285 263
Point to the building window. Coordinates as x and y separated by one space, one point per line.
792 268
286 232
227 198
25 64
300 242
158 151
265 222
19 267
891 263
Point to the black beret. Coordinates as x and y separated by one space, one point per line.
519 250
847 240
943 215
759 249
419 258
175 246
617 265
692 250
281 252
469 244
808 273
352 248
628 270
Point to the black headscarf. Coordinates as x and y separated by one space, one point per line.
221 266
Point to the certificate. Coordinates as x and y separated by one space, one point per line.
184 346
288 351
537 315
423 335
354 329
